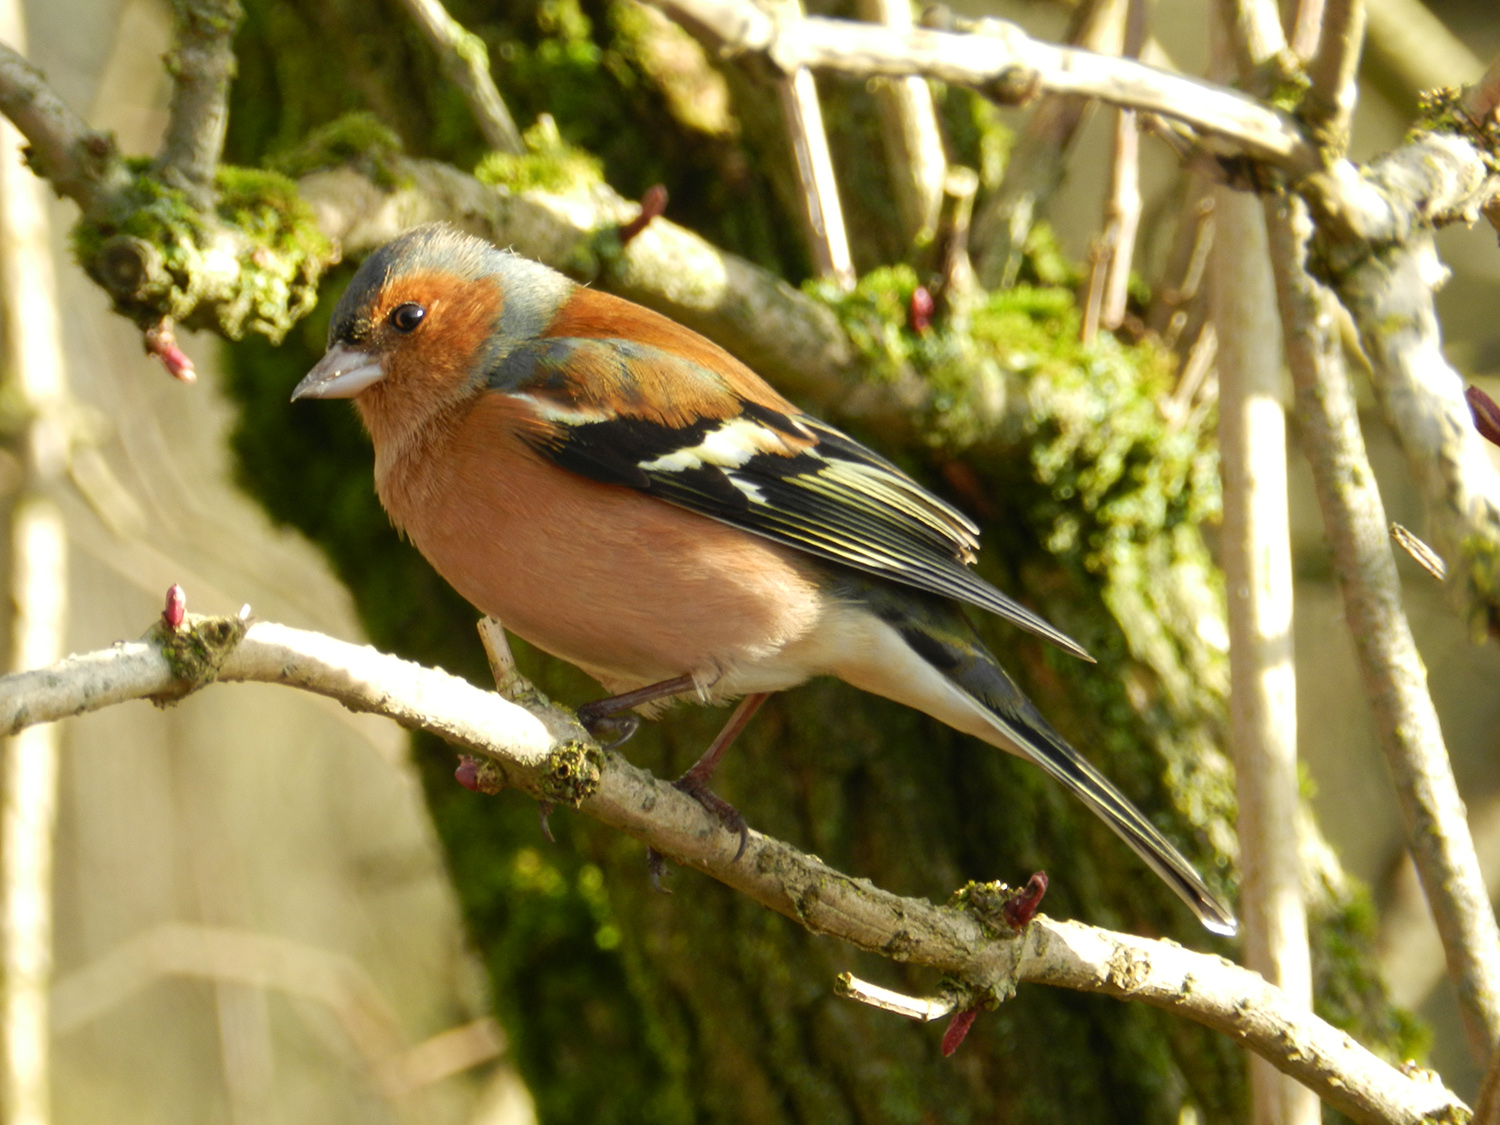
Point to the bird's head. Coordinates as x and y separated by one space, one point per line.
425 318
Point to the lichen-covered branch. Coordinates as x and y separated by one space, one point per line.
539 749
1241 1004
1394 676
78 162
1332 71
1390 296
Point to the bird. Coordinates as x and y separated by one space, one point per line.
626 495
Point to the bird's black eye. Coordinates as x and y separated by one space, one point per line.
405 318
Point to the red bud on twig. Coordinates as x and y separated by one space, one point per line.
1486 413
175 611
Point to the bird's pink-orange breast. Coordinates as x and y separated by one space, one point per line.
627 587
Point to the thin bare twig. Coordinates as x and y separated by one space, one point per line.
1193 377
1421 554
1256 556
1006 64
959 288
1123 213
923 1008
1395 679
1035 167
1332 71
828 240
497 651
1175 307
539 750
202 66
913 144
78 162
466 62
1254 33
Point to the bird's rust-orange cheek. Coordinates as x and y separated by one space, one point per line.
432 368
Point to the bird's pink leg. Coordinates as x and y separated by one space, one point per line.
695 782
603 715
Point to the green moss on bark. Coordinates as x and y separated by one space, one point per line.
253 266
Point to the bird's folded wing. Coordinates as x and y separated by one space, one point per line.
635 415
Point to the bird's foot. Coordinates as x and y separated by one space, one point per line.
607 717
616 729
656 871
697 788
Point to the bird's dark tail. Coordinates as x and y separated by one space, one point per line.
987 703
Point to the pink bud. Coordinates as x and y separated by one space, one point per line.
920 310
467 773
653 203
161 342
176 608
1486 414
1021 908
481 775
958 1029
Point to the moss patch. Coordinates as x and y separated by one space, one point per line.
549 164
360 139
253 267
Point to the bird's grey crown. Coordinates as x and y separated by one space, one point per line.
533 292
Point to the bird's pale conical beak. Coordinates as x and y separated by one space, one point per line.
342 373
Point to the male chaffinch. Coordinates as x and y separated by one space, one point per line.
626 495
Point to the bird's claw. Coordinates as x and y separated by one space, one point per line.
730 816
603 726
656 870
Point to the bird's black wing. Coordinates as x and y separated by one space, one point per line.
692 441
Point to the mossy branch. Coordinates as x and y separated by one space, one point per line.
202 65
251 263
535 745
